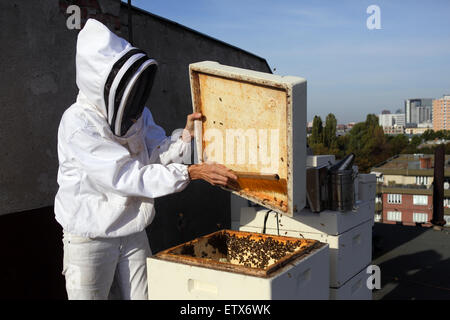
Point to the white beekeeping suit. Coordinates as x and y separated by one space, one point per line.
111 168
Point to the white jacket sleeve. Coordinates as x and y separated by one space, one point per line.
162 149
110 165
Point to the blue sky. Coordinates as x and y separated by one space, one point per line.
351 71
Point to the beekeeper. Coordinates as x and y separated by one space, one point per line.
113 162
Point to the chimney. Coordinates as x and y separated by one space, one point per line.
425 163
438 187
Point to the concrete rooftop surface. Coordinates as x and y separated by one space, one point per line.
414 262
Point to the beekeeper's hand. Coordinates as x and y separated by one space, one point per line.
188 132
215 174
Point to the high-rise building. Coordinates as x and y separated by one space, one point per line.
418 111
385 119
441 113
398 119
392 123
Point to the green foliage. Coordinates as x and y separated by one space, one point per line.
329 132
317 131
368 142
319 148
416 140
430 135
397 143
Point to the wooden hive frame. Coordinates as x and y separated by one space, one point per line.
247 102
191 253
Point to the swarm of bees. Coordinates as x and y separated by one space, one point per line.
246 251
258 253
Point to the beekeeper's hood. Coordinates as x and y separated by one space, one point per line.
116 77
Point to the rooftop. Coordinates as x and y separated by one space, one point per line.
414 262
409 164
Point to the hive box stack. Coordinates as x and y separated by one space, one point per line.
367 184
349 235
233 265
254 123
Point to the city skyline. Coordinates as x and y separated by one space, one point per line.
351 71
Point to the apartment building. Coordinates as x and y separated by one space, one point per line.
441 113
405 190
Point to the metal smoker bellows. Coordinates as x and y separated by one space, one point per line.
342 184
331 187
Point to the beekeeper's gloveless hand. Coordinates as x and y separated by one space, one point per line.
215 174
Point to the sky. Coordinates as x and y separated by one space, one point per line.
351 71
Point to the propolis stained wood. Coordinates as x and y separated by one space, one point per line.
253 122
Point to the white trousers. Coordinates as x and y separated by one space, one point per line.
106 268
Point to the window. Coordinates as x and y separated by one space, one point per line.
447 202
422 180
420 200
394 216
420 217
394 198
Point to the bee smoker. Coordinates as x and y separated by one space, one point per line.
341 185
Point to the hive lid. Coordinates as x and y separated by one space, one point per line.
250 121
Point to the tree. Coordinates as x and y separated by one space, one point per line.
317 131
411 148
397 144
368 142
416 140
342 146
440 134
372 120
319 148
329 132
428 135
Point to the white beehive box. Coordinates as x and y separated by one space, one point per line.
253 123
195 271
367 187
319 161
349 251
329 222
236 203
354 289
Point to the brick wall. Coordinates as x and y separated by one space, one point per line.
407 208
